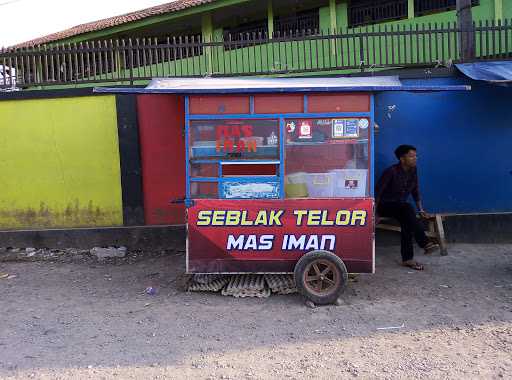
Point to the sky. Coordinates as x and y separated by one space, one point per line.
23 20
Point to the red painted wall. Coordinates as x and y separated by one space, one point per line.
161 122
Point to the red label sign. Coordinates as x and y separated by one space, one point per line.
230 138
271 235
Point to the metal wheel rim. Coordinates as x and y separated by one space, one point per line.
321 277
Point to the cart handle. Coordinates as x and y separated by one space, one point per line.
187 203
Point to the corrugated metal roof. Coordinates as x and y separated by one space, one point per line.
268 85
110 22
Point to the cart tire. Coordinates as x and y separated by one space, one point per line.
321 277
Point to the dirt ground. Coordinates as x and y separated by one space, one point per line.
80 319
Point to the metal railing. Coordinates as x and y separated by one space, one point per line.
365 49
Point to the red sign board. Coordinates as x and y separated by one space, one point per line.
271 235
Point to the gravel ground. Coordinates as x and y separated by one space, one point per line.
69 317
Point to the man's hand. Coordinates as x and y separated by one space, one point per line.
423 214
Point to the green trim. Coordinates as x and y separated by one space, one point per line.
149 21
410 9
207 33
207 27
332 13
498 9
270 18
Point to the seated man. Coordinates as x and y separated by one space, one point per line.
395 186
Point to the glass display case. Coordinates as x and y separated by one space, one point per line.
279 156
326 158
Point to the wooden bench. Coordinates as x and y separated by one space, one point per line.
435 229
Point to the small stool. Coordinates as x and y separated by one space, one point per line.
435 229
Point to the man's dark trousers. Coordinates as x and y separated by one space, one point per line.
410 225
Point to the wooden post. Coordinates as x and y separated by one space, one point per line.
466 30
440 233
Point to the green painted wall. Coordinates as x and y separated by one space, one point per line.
507 9
428 46
341 15
316 56
325 18
59 160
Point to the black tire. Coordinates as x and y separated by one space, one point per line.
329 270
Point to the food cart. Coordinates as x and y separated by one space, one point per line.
279 176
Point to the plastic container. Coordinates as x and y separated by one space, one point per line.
296 190
320 185
249 190
296 178
350 182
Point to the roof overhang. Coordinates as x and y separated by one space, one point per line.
277 85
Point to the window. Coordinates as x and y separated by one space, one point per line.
234 139
245 35
234 158
422 7
365 12
302 23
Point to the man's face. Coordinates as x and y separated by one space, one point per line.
409 159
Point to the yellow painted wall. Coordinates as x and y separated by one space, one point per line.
59 163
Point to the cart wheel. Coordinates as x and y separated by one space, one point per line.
321 277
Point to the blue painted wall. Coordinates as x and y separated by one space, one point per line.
464 142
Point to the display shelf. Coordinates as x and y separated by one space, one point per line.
323 143
271 151
249 178
250 162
